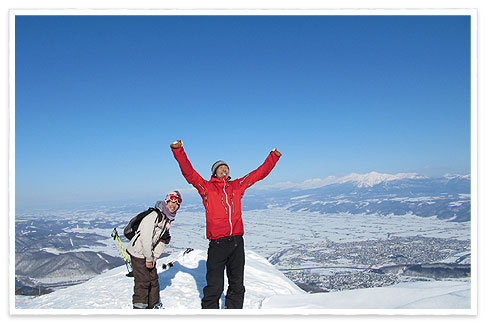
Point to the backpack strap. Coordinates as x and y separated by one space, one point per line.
160 216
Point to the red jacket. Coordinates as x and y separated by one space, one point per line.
222 198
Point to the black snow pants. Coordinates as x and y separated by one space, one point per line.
146 292
226 252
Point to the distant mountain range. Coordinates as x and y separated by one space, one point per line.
51 250
447 197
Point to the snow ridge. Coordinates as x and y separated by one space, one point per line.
361 180
266 288
181 286
373 178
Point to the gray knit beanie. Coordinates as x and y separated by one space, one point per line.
216 165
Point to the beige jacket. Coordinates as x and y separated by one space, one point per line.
146 243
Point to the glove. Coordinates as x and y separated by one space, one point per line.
277 153
177 144
165 238
150 264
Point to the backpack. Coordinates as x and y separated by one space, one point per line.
134 223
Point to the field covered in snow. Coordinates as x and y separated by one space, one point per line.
269 230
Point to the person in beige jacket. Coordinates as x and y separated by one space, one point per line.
146 247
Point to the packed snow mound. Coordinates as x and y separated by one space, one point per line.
409 295
266 288
181 286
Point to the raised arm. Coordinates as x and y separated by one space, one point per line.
186 167
262 171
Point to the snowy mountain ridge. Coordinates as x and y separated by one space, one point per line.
360 180
266 288
447 197
373 178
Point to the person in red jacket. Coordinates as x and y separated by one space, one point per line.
221 198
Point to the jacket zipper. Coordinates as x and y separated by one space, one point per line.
229 206
222 203
232 203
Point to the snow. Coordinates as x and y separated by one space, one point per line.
457 176
52 250
181 286
300 197
267 231
373 178
410 295
361 180
267 289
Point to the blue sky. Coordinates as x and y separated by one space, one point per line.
98 99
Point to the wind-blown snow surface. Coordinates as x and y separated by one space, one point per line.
266 288
410 295
181 286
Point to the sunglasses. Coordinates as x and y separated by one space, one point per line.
175 199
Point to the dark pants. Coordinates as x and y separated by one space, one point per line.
146 292
229 253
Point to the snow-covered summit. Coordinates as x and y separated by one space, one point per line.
266 288
360 180
181 286
373 178
451 176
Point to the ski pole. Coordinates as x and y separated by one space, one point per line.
115 236
171 263
124 253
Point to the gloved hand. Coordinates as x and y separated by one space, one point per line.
166 240
166 237
277 152
177 144
150 264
